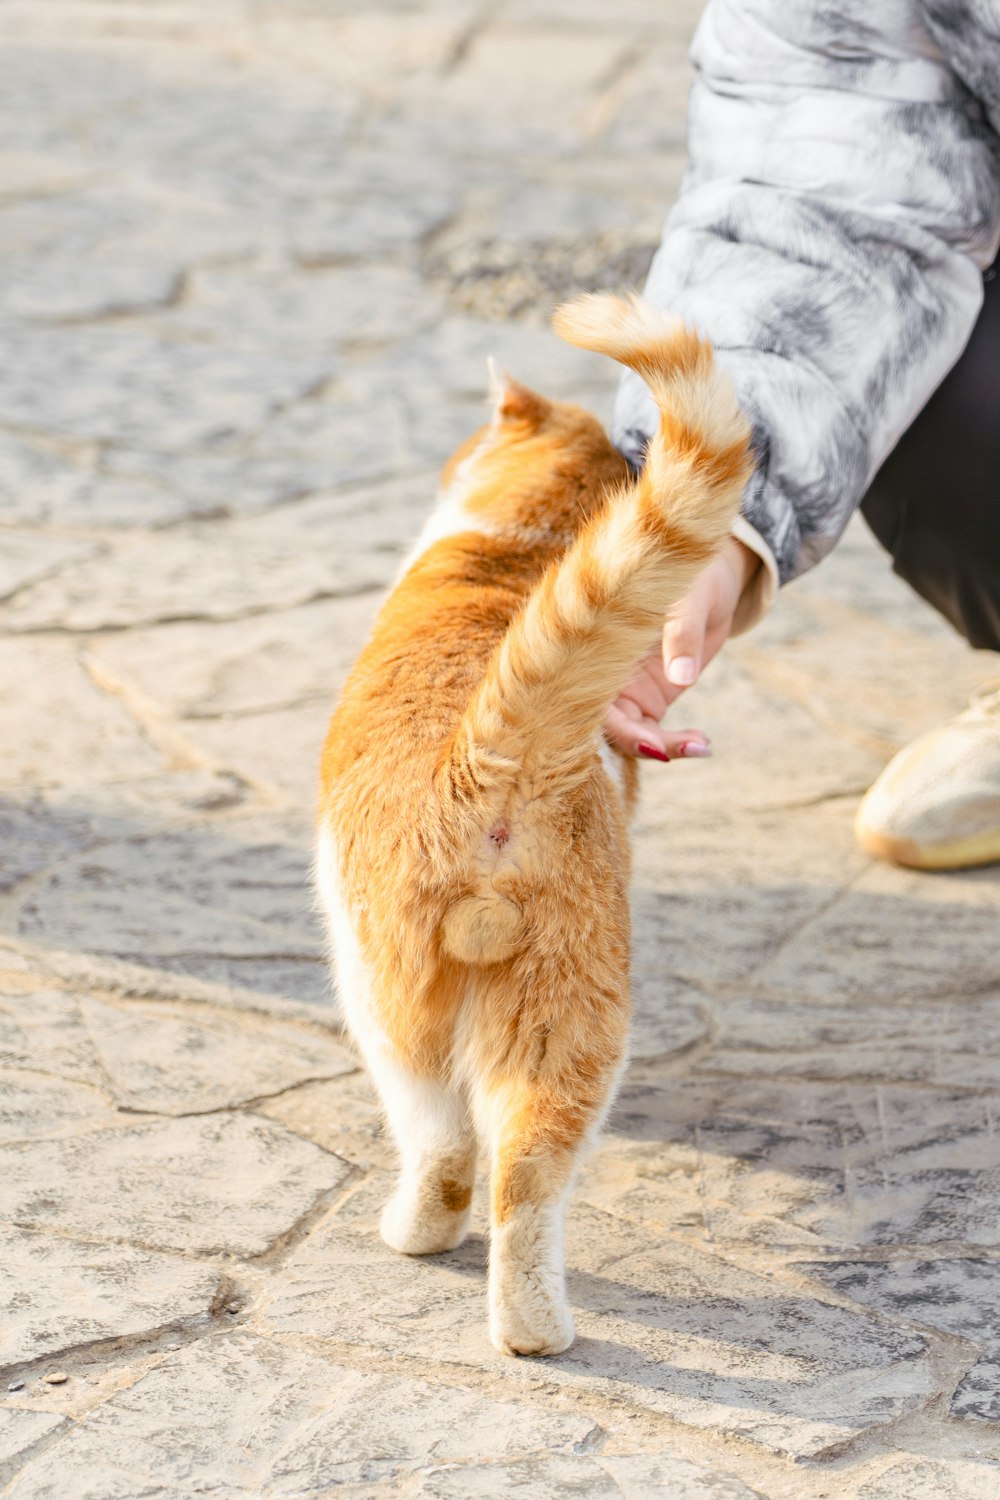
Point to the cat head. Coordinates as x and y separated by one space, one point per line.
535 458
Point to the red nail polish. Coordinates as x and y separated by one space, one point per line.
651 753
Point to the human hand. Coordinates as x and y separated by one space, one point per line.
694 632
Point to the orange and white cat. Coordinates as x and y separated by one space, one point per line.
473 853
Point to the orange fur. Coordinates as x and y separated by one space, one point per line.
478 854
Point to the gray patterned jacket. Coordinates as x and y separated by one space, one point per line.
841 200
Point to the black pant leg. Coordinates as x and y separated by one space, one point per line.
935 502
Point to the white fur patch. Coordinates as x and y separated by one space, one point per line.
613 764
451 516
429 1120
350 969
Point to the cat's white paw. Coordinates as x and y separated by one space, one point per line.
408 1227
535 1323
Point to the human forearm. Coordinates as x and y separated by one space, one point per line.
841 198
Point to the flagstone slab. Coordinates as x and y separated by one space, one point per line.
670 1329
954 1296
220 569
241 667
920 1478
177 1060
125 386
706 910
342 1115
29 556
51 688
599 1477
897 934
58 1294
953 1041
245 1417
219 892
785 1164
21 1431
36 835
33 1106
225 1184
42 1030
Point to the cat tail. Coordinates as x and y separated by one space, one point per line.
597 610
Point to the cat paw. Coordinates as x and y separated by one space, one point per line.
538 1326
406 1229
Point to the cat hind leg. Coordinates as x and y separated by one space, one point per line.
432 1204
540 1129
428 1118
430 1123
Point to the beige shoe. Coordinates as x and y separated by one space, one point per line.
936 806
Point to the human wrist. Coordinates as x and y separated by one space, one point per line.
742 562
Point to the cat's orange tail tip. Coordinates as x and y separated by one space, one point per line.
617 326
673 360
677 365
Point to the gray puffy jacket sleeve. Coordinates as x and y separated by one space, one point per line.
841 200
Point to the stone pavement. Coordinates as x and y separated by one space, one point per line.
256 252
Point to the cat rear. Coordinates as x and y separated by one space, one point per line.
473 854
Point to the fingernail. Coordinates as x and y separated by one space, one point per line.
695 750
651 753
682 671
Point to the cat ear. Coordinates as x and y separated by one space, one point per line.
512 401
